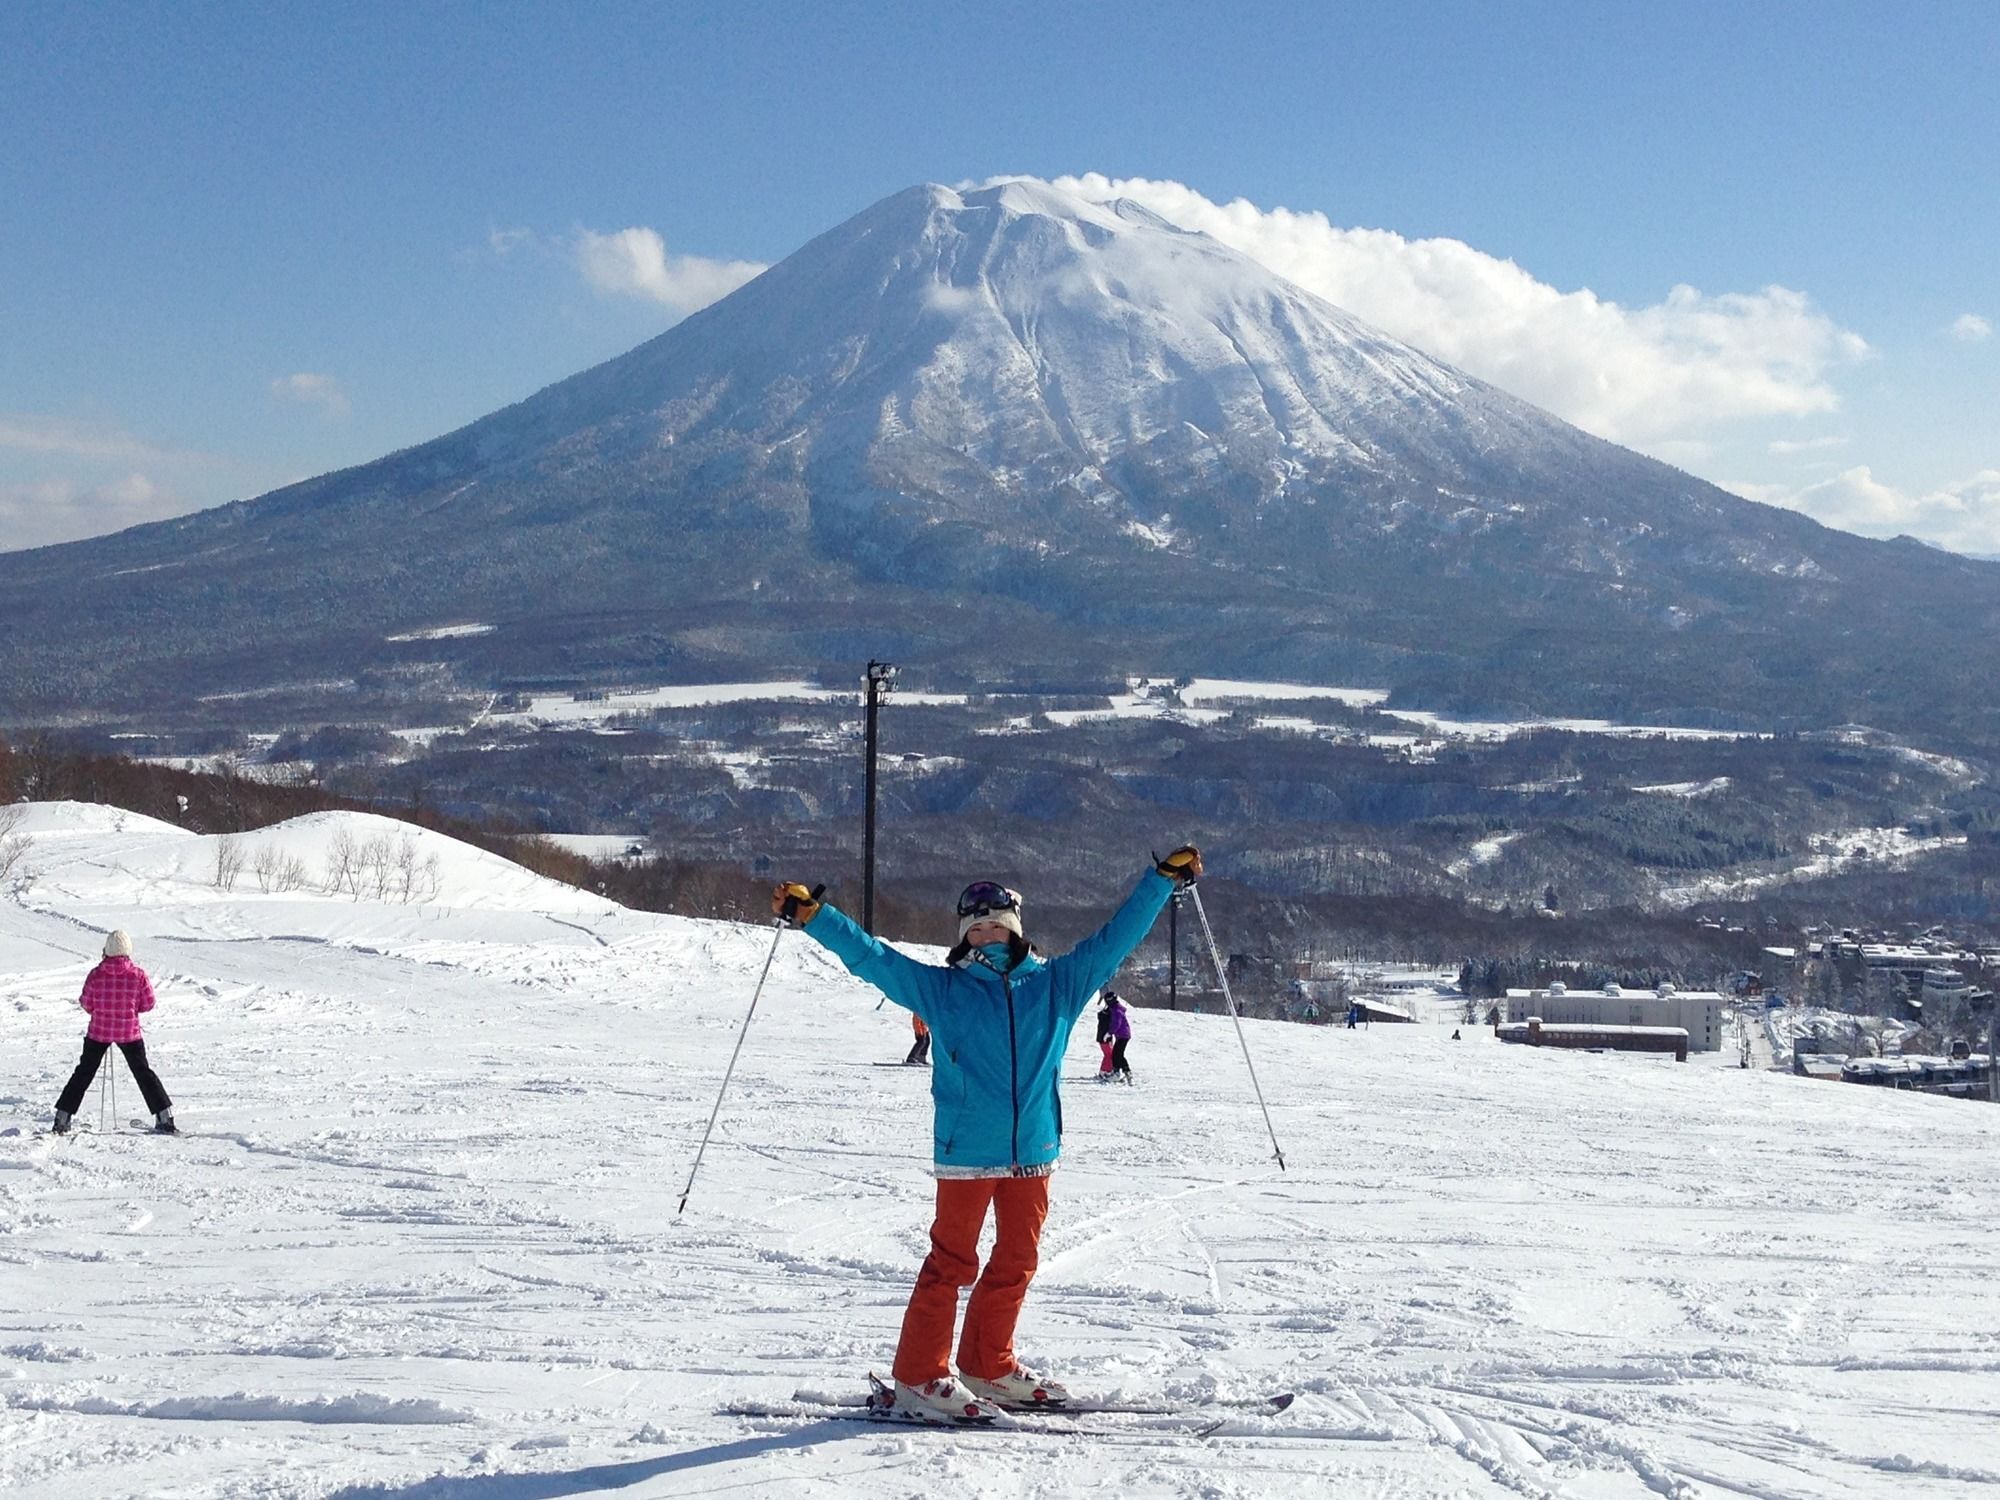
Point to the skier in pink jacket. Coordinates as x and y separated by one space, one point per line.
116 994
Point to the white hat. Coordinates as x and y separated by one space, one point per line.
989 901
1008 917
118 944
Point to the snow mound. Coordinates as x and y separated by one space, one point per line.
42 820
344 877
464 875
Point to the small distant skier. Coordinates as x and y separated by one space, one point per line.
1353 1016
1105 1040
1115 1021
920 1049
116 994
1002 1016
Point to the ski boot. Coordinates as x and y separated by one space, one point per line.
163 1122
1018 1390
60 1126
942 1400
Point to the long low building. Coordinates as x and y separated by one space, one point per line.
1537 1033
1966 1077
1697 1012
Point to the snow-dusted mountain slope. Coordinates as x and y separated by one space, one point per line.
420 1238
1122 442
1019 337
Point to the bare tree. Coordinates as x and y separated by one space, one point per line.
378 866
278 871
343 865
417 880
229 857
430 878
14 846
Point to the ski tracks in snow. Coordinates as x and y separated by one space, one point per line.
421 1241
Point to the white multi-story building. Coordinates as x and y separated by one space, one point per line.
1698 1012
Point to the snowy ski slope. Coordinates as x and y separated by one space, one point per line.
420 1241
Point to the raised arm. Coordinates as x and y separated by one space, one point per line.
910 984
1083 971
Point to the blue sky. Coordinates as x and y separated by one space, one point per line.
243 244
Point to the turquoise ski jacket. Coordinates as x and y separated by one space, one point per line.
997 1039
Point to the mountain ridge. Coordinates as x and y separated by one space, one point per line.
1064 413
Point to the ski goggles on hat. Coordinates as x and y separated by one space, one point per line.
983 897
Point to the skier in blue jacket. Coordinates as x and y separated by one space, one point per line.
1000 1016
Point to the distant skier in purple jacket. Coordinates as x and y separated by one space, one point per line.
1114 1023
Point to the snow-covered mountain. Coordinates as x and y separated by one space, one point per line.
1016 343
1123 443
420 1237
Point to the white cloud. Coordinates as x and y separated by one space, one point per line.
504 242
1970 328
322 391
1642 376
635 263
62 478
1964 515
44 512
65 437
1782 446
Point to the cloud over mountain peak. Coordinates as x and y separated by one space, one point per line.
1645 376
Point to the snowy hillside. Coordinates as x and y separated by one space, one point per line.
419 1240
1057 413
1014 337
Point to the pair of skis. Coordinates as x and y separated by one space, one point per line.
1066 1419
132 1127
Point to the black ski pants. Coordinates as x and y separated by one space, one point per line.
1118 1063
135 1059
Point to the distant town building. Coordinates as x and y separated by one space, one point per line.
1698 1012
1535 1032
1944 984
1966 1077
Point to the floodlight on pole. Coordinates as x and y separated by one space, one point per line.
880 677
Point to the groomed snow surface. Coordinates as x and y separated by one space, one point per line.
420 1237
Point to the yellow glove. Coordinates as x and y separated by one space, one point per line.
1183 866
795 903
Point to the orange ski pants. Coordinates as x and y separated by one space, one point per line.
986 1348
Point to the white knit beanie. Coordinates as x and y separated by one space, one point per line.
118 944
1007 917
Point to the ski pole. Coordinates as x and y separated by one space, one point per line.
1215 955
755 995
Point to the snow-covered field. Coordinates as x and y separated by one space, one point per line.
420 1239
1483 852
1201 702
1889 849
567 711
